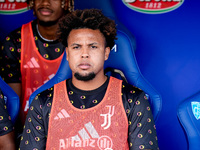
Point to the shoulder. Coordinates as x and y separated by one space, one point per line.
41 108
134 98
43 100
15 34
129 90
12 40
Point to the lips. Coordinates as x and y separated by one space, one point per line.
45 11
84 66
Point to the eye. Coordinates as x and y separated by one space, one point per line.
75 47
93 47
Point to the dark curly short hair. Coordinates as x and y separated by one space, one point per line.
87 18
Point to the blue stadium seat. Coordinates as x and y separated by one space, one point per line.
189 116
122 57
12 100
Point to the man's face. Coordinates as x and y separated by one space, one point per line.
48 10
86 52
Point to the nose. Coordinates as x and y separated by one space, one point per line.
85 53
45 2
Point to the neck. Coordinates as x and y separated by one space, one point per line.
89 85
48 32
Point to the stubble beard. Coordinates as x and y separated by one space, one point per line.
88 77
47 23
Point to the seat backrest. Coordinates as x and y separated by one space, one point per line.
189 116
121 57
11 99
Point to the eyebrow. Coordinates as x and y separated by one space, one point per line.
76 44
93 43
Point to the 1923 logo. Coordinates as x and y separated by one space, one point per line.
12 6
153 6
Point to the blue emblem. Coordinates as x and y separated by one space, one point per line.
147 96
5 99
196 109
114 48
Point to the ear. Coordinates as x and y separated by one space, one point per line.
67 52
107 52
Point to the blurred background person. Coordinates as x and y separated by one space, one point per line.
31 54
6 128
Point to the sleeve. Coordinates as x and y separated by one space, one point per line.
34 134
11 50
142 130
5 120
